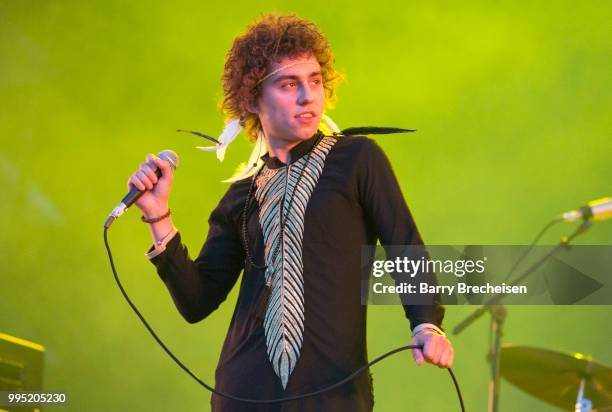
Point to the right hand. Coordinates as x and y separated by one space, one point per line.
154 201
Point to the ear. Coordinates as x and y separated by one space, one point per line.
252 108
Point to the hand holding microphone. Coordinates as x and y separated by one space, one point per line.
149 187
153 181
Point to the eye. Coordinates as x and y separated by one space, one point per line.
288 85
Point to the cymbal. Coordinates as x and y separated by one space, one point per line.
554 377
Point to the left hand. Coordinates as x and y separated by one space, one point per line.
436 349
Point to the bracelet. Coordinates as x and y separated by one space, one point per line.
155 219
424 327
429 330
165 237
160 245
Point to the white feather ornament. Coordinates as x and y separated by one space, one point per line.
333 128
254 163
248 169
231 131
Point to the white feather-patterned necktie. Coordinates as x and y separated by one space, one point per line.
284 319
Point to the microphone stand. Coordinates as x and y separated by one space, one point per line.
498 315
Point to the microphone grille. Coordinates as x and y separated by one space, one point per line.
169 156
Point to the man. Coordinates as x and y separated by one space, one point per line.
295 223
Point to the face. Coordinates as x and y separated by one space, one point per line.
292 100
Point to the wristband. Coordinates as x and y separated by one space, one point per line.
428 327
155 219
160 245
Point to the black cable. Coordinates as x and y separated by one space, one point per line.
533 243
452 374
258 401
564 243
497 298
520 260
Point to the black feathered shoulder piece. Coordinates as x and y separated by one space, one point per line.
354 131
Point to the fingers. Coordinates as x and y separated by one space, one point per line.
149 168
144 178
140 181
431 349
418 356
163 165
436 349
134 181
446 360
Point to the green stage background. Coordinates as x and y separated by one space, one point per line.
512 105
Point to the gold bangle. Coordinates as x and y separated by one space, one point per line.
430 330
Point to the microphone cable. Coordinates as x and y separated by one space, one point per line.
257 401
531 246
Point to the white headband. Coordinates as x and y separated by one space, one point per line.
283 68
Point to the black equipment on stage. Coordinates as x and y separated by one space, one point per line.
21 368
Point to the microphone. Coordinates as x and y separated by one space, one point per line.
134 194
600 209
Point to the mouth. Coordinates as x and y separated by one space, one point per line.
306 117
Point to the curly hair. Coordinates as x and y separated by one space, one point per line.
270 39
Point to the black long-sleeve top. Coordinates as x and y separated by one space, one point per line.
356 201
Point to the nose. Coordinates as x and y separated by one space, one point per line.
305 95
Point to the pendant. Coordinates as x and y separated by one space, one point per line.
269 272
